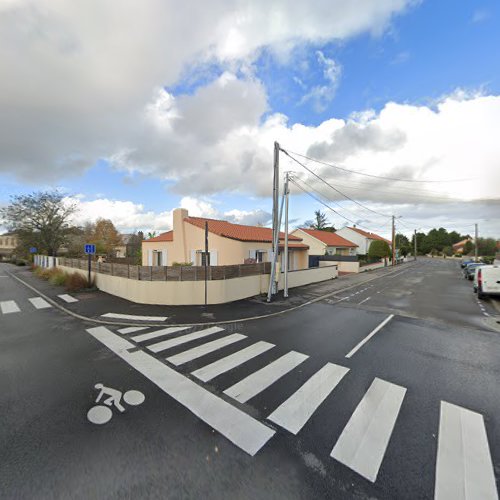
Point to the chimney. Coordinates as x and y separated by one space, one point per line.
180 234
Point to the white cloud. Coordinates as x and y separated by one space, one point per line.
82 74
322 95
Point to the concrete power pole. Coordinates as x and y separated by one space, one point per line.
276 223
286 192
415 244
393 242
476 250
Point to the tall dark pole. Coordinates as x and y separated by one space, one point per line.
393 242
90 267
206 262
415 244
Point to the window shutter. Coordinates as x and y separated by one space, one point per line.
251 254
164 261
150 257
213 257
193 257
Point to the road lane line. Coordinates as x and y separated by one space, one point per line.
134 317
464 468
256 382
364 440
299 407
223 365
241 429
369 336
39 303
159 333
207 348
67 298
167 344
132 329
9 307
364 300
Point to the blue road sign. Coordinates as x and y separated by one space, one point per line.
33 250
90 249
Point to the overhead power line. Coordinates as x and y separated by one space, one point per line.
333 187
357 172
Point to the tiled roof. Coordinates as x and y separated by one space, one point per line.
371 236
460 244
238 231
330 239
295 245
168 236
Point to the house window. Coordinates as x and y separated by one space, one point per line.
203 258
259 256
157 258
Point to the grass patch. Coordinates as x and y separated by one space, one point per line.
75 282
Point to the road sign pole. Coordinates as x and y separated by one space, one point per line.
90 266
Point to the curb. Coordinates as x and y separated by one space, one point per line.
225 322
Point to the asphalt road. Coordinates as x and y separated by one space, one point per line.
345 398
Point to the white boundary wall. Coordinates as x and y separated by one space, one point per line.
193 292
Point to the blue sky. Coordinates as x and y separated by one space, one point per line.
416 56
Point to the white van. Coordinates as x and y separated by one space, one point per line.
488 282
476 275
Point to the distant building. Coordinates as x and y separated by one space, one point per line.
325 242
459 246
363 239
8 243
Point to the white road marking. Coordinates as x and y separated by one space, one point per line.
464 469
159 333
208 347
39 303
134 316
369 336
250 386
223 365
9 306
67 298
167 344
132 329
241 429
364 300
364 440
299 407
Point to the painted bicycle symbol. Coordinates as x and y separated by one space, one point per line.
107 398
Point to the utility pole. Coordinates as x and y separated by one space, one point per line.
415 245
276 197
393 242
476 250
286 193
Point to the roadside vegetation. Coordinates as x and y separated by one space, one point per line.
72 282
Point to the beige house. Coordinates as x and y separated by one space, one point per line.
325 242
363 239
228 244
8 243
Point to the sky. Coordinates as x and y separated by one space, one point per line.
132 109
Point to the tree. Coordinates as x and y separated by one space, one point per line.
379 249
151 234
403 243
320 221
134 246
486 246
39 219
105 237
468 248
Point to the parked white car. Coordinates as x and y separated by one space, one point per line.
476 275
488 282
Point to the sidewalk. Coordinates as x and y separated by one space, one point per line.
95 304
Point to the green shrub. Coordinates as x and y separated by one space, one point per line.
57 277
76 281
183 264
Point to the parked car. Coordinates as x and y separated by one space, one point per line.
464 262
470 269
476 275
488 282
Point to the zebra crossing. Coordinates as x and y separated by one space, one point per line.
12 306
464 467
